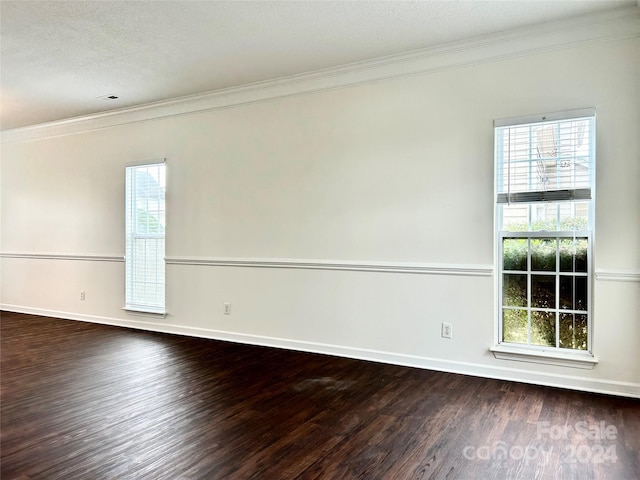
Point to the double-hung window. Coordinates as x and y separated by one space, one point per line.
544 187
145 238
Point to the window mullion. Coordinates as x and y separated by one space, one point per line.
557 312
529 286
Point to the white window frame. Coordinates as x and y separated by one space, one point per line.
136 302
529 352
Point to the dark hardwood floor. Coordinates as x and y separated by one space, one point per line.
87 401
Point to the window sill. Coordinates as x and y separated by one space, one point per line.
582 360
145 312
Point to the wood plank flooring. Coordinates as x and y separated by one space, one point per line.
86 401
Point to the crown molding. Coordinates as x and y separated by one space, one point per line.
608 26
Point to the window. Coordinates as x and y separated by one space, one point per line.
544 217
145 238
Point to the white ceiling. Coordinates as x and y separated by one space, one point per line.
58 58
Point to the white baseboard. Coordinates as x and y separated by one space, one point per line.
571 382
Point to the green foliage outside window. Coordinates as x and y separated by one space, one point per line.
573 256
569 224
573 329
538 257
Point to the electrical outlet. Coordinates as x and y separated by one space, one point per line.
447 330
82 295
227 308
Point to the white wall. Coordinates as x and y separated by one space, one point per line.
396 172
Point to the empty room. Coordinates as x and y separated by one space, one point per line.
320 240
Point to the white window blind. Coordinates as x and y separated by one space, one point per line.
545 159
145 237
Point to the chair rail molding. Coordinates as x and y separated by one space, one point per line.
64 256
382 267
618 275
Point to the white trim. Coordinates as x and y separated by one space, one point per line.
572 382
150 162
547 357
425 269
144 311
618 275
383 267
545 117
64 256
605 26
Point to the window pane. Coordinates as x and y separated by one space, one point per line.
573 255
544 216
515 217
574 216
573 331
580 291
581 255
566 292
514 254
543 328
543 291
573 293
543 254
514 290
514 326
